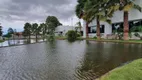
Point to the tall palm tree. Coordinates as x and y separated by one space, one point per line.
80 12
125 6
95 9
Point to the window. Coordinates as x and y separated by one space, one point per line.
132 24
118 27
93 29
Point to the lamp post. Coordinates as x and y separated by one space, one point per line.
72 23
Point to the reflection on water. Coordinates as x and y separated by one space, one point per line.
17 42
61 60
103 57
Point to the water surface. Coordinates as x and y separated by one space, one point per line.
62 60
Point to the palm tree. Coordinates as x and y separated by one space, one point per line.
97 10
126 6
80 12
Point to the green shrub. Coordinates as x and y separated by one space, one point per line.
71 35
1 41
95 37
78 35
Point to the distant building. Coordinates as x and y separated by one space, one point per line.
62 30
18 35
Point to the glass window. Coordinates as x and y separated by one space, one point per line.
118 27
132 24
93 29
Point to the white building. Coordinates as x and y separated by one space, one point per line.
62 30
135 19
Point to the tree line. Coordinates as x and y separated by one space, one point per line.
44 30
103 10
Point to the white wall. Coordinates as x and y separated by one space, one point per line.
64 29
108 29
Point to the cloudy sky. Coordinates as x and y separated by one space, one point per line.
14 13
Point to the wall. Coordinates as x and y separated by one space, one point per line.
108 29
63 29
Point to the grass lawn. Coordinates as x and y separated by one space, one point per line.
102 40
131 71
64 38
1 41
60 37
120 41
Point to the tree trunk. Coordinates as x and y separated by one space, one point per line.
43 37
36 37
87 36
98 28
126 26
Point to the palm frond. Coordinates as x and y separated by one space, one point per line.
137 7
128 6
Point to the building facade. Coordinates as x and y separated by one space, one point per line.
62 30
135 19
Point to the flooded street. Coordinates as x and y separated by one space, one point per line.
62 60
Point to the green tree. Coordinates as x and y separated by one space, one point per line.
10 31
95 9
43 27
71 35
89 10
52 22
79 26
80 12
27 30
8 35
36 30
